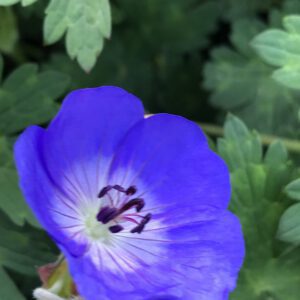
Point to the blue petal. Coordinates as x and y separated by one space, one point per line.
81 140
65 164
210 256
201 262
167 157
38 190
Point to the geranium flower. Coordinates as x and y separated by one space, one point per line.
137 205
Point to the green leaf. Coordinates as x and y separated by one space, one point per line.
27 97
270 45
6 158
22 250
27 2
241 83
273 279
238 9
153 22
8 2
281 48
293 190
8 30
258 200
289 226
235 153
86 24
8 289
292 24
11 2
276 153
11 199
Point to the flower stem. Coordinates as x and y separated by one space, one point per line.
290 144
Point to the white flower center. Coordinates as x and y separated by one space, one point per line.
97 231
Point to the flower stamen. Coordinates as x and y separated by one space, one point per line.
129 192
138 203
107 214
113 213
115 228
141 226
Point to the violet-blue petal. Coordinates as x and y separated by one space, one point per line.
63 165
38 190
167 157
200 262
81 140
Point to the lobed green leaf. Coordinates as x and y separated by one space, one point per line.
281 48
289 226
27 97
293 190
11 2
243 84
86 24
258 200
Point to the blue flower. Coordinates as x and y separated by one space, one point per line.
137 205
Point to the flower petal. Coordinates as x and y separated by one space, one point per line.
41 194
167 157
80 142
64 165
200 262
210 255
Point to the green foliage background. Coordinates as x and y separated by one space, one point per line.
231 65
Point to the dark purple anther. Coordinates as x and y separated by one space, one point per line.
107 214
104 191
141 226
119 188
139 203
131 190
115 228
110 213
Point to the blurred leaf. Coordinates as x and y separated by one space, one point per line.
8 30
22 249
272 279
6 159
238 9
11 2
288 7
154 22
281 48
8 290
27 97
86 24
238 154
276 153
258 200
242 84
11 199
289 226
293 190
